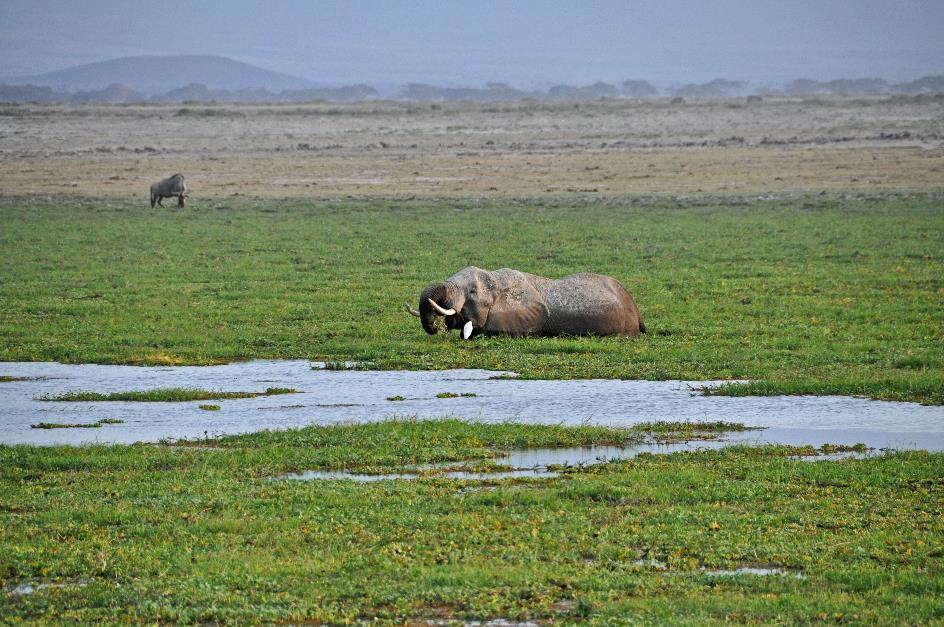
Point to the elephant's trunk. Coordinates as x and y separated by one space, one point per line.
445 295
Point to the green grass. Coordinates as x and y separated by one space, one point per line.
456 395
9 379
162 395
66 425
671 431
811 294
209 407
77 425
204 534
924 389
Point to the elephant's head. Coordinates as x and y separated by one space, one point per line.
464 300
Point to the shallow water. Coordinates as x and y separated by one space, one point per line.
348 396
766 571
322 475
31 587
540 463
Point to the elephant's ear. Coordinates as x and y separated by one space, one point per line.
517 313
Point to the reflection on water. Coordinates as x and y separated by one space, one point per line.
346 396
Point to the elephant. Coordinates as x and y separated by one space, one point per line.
511 302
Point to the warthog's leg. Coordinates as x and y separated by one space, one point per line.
180 200
159 198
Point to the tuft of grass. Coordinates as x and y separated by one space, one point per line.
9 379
925 388
670 431
163 395
829 449
688 426
456 395
77 425
347 365
66 425
209 407
396 398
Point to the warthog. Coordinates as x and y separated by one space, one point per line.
168 188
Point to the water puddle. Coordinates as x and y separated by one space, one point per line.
756 570
521 473
351 395
543 463
495 622
759 571
651 564
31 587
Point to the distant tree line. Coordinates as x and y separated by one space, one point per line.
194 92
491 92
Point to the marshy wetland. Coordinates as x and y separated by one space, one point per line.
787 255
166 403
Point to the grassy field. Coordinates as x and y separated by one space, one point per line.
149 533
817 294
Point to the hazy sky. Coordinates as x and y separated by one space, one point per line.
524 42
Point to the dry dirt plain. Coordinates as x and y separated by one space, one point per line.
392 149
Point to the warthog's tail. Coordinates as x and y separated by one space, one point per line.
642 327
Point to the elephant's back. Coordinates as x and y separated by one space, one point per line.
592 303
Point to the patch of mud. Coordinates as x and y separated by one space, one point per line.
352 395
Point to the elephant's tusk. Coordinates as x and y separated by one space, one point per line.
411 311
444 312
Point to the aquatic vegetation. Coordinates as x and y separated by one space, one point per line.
207 407
162 395
78 425
924 387
277 391
669 431
66 425
456 395
396 398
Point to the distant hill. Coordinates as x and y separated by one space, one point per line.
157 74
